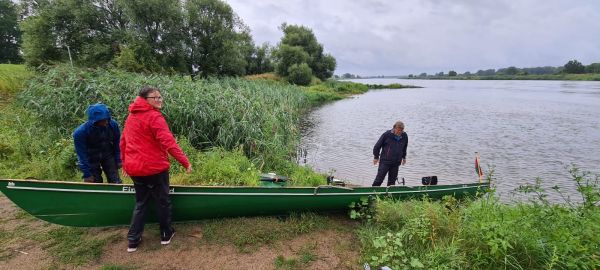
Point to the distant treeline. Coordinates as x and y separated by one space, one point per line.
571 67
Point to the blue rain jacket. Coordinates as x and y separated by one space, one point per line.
94 143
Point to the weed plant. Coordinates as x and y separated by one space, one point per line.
486 234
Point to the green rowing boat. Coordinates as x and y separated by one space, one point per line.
95 205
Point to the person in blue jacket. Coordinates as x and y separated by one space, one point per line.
97 146
390 152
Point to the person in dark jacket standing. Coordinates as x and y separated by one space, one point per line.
146 145
97 146
390 152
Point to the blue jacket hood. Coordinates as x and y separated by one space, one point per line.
97 112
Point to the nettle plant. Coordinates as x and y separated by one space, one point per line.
392 252
363 209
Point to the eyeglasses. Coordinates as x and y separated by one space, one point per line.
156 98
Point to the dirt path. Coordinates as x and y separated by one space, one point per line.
326 249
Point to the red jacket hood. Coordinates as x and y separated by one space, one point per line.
140 104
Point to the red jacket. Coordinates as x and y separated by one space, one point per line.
146 140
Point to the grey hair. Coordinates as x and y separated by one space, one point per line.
399 124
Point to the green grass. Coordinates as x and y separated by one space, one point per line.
390 86
281 263
248 233
74 245
302 260
117 267
12 79
30 150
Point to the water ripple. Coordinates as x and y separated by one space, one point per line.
522 129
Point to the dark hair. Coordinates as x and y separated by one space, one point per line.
146 90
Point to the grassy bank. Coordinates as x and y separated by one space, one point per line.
12 79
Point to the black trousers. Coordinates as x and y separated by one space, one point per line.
146 187
390 169
110 169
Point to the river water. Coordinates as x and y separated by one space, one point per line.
521 129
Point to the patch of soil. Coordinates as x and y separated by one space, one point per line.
331 249
15 252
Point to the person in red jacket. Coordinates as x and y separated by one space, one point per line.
145 145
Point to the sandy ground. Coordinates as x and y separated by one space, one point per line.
333 249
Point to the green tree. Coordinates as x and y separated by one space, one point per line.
322 65
39 42
201 37
10 35
219 42
574 67
300 74
452 73
261 60
155 33
287 56
511 71
593 68
55 28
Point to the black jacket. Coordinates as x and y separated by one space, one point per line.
391 149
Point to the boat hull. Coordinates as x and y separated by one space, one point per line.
98 205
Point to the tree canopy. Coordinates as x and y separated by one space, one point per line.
299 45
574 67
10 35
199 37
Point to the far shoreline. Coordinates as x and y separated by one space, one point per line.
548 77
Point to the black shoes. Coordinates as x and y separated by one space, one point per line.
132 247
165 238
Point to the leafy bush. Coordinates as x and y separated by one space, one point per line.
299 74
303 176
218 167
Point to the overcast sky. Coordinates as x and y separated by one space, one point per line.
372 37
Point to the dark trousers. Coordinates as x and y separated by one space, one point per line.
109 166
390 169
156 187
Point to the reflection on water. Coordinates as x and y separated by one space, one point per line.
523 129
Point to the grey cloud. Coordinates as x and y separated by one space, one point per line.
413 36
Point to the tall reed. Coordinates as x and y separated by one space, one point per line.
259 116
